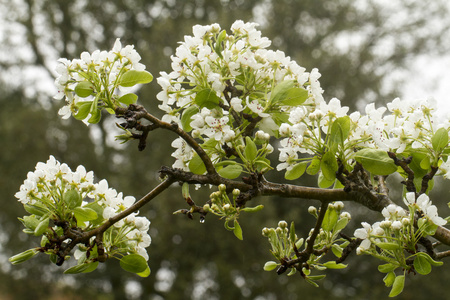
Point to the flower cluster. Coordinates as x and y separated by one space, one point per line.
221 83
58 198
398 231
93 82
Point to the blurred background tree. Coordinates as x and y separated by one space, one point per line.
360 47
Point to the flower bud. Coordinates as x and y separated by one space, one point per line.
396 225
339 205
236 192
206 208
345 214
265 231
406 221
386 224
196 133
312 210
283 224
222 188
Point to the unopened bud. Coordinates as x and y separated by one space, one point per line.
222 188
206 208
282 224
236 192
265 231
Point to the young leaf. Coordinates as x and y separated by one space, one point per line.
430 260
292 233
24 256
376 161
314 167
83 109
84 214
286 93
72 198
421 265
185 190
397 286
250 150
324 183
296 171
329 166
231 171
42 227
128 99
386 268
237 230
35 209
82 268
337 250
440 139
388 246
186 118
84 89
207 98
340 130
145 273
95 116
133 77
270 265
218 48
133 263
330 219
196 165
334 265
389 279
341 224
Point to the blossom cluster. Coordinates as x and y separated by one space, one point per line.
409 126
53 192
95 80
222 82
398 225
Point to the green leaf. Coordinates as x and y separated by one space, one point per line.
83 109
196 165
388 246
231 171
337 250
30 222
84 89
376 161
133 263
207 98
82 268
324 183
95 117
334 265
286 93
329 166
42 227
144 274
340 130
270 265
84 214
341 224
252 209
422 265
237 230
72 198
218 48
292 233
330 219
314 167
185 190
440 139
397 286
128 99
296 171
133 77
425 163
387 268
35 209
429 259
24 256
250 150
186 118
389 279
